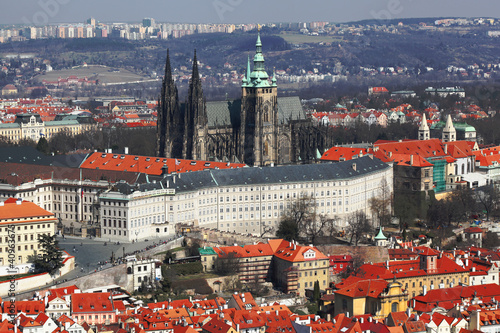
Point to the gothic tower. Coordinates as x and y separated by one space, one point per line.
424 132
195 119
449 132
258 134
170 122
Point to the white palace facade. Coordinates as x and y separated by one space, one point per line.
244 200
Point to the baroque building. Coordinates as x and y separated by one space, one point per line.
258 129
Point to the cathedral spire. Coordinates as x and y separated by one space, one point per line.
168 69
195 74
258 78
169 117
195 118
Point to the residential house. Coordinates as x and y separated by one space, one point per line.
93 308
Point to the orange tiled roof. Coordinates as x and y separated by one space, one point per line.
252 250
343 153
27 209
91 302
150 165
295 253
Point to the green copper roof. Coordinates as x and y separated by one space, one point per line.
380 235
258 78
206 251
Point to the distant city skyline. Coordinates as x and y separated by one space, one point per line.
42 12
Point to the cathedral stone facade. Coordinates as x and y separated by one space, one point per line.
259 129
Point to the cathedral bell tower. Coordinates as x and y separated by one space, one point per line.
258 135
195 119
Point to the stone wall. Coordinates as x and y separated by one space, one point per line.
212 237
114 275
363 253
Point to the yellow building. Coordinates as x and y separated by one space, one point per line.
376 297
430 271
292 267
296 268
31 126
252 261
21 223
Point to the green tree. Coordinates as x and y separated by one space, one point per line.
43 146
288 229
316 291
50 259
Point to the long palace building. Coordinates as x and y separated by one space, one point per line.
243 200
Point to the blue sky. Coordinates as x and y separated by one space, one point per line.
39 12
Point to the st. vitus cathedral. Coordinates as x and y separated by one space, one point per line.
259 129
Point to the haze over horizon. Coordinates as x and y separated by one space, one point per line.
42 12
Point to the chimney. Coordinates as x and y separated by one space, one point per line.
354 166
164 170
126 150
446 148
411 160
424 292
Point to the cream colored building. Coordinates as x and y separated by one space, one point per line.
296 268
21 224
245 200
30 126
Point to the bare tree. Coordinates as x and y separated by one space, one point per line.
358 225
227 264
330 228
381 205
301 219
488 196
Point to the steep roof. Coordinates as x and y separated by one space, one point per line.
364 288
297 253
91 302
227 113
216 326
18 209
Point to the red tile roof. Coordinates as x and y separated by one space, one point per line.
28 307
448 297
364 288
252 250
343 153
91 302
473 230
216 326
296 253
150 165
26 209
